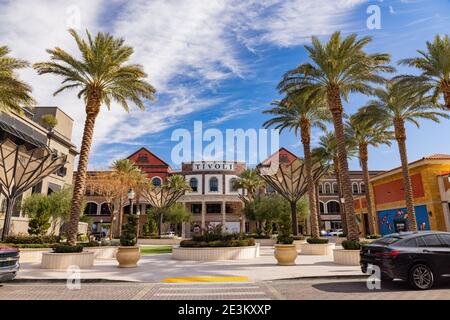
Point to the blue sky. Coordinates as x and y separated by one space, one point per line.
216 61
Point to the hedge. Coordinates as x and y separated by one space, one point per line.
317 241
218 243
26 239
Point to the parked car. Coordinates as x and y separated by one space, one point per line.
336 232
9 263
421 258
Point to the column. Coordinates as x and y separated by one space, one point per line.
203 215
224 216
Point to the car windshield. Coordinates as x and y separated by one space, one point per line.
386 240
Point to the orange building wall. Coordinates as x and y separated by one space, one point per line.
393 191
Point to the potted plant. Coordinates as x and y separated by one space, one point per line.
350 254
129 253
285 249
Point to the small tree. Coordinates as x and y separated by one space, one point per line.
177 214
129 232
49 121
38 208
285 229
150 227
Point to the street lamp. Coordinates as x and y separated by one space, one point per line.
131 195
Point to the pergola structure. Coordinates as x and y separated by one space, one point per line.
22 166
290 182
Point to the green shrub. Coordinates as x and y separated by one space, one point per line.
259 236
316 240
111 243
285 229
373 236
217 243
64 248
91 244
342 235
129 231
299 237
26 239
353 245
28 246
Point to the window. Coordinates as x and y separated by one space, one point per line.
233 185
61 172
410 243
327 188
270 189
363 188
320 188
157 182
335 188
213 185
193 183
355 188
421 243
91 209
333 207
213 208
445 238
432 240
322 207
284 158
104 210
142 158
196 208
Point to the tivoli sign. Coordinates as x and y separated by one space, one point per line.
213 166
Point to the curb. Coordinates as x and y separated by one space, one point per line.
65 280
322 277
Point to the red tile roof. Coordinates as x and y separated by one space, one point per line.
438 156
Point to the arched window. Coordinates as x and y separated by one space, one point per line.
327 188
355 188
335 188
233 185
157 182
193 183
91 209
270 189
104 210
333 207
320 188
363 187
213 184
322 207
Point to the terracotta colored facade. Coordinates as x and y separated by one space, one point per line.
151 164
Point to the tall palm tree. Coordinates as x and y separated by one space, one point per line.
296 112
365 132
128 175
14 93
435 66
249 180
400 103
339 67
327 152
102 75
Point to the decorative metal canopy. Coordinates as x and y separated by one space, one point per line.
290 181
22 169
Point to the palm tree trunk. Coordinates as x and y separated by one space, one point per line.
400 136
305 129
335 105
337 172
363 157
80 179
446 91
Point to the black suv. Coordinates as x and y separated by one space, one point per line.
421 258
9 263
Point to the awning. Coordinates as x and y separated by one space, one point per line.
22 131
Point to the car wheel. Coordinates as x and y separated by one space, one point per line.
421 277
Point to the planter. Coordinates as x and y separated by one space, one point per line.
32 255
319 249
266 242
346 257
286 254
62 261
298 244
215 254
103 252
160 242
128 257
337 240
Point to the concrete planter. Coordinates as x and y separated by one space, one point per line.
346 257
215 254
159 242
103 252
286 254
32 255
298 244
266 242
319 249
128 257
337 240
62 261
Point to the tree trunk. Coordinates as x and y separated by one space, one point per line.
446 91
8 216
364 157
92 108
335 105
341 206
294 218
400 136
306 141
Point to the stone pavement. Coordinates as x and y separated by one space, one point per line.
156 268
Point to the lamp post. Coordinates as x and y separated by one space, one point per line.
131 196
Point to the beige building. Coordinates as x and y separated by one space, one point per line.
29 128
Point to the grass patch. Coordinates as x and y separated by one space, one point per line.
145 250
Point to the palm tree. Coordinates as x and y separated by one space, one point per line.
298 113
339 67
400 103
435 66
327 152
249 180
128 175
14 93
101 76
365 132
